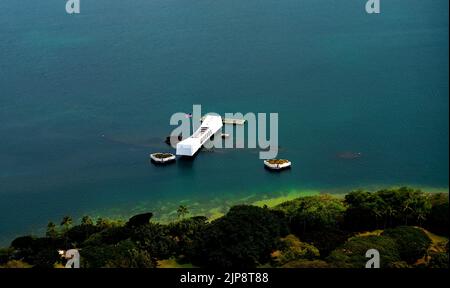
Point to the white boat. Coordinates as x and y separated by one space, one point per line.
162 157
277 164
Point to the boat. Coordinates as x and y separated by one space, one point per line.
277 164
225 135
162 157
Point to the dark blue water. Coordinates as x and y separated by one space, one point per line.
85 98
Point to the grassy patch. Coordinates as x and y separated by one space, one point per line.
172 263
274 201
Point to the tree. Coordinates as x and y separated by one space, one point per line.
5 255
411 206
24 247
352 253
86 220
416 205
52 231
80 233
291 248
386 208
362 212
155 239
412 242
326 240
438 219
66 222
102 223
313 213
41 252
182 211
46 258
391 205
125 254
243 238
111 235
438 260
185 232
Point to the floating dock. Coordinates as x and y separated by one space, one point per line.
210 125
232 121
277 164
162 157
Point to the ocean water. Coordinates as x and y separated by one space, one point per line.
85 98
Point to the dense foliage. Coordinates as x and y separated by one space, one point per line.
292 249
352 253
437 220
313 213
412 242
308 232
244 237
387 208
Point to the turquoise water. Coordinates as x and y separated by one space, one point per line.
85 98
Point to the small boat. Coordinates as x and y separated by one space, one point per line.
162 157
277 164
224 135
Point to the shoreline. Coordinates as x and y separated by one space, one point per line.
212 208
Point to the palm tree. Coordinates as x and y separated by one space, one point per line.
422 209
66 222
182 211
102 223
391 213
407 210
86 220
51 230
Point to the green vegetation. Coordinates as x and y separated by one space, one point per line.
439 260
313 213
292 249
66 222
124 254
277 161
162 155
182 211
352 253
319 231
412 242
387 208
302 263
437 220
244 237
